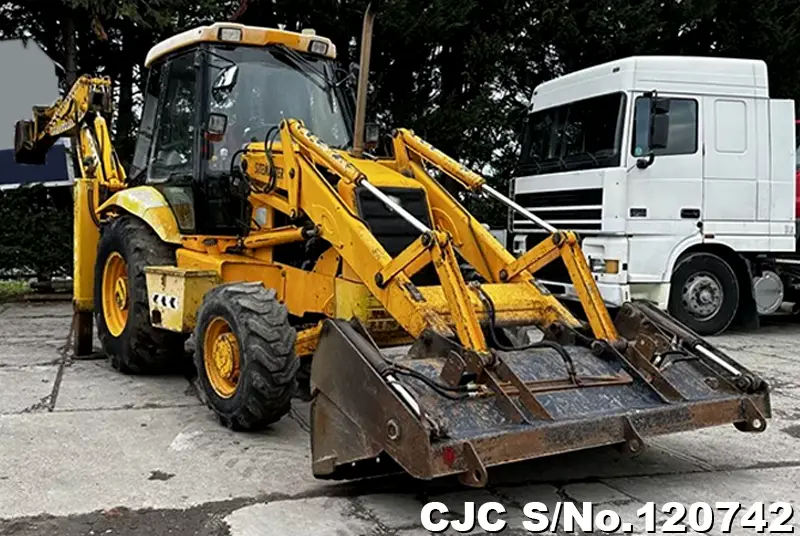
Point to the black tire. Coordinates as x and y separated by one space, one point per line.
703 268
268 367
140 348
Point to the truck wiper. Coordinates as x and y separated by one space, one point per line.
576 156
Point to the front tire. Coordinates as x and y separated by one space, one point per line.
704 293
122 313
245 355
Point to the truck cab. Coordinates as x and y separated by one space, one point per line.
680 175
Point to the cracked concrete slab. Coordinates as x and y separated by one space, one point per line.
26 388
392 510
88 385
34 334
65 463
322 515
25 351
746 487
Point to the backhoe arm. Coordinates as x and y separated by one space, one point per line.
79 115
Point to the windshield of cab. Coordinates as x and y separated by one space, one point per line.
585 134
256 88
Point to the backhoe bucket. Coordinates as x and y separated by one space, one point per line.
434 411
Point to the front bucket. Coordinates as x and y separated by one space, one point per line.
429 417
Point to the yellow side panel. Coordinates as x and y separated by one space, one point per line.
148 204
354 300
86 236
175 295
301 291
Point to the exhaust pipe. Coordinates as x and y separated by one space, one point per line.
363 79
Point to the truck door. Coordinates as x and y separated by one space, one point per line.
665 190
731 189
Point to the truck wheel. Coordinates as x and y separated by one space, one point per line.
704 293
122 313
245 355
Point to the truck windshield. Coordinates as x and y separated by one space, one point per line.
585 134
258 87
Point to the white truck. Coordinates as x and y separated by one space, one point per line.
679 175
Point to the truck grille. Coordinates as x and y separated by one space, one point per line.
578 210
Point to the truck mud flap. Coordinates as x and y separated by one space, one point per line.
432 412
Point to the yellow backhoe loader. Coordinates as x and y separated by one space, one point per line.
255 216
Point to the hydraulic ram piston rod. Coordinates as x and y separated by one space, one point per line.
719 361
522 210
418 225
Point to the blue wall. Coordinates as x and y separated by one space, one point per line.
54 169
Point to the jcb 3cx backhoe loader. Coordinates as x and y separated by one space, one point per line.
256 218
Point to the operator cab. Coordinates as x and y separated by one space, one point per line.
214 89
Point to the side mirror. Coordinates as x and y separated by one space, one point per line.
224 83
216 127
372 135
654 132
659 124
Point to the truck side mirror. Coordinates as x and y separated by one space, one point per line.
659 123
657 133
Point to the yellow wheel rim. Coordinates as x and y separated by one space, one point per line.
116 297
221 357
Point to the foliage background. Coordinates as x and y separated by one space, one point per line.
458 72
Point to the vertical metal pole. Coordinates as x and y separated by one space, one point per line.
363 78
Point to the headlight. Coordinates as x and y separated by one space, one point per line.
230 34
604 266
318 47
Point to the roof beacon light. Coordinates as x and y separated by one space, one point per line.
230 34
318 47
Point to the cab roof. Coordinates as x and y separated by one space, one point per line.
232 33
678 74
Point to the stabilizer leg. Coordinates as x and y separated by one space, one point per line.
84 333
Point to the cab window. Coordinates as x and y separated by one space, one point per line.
172 157
681 116
145 138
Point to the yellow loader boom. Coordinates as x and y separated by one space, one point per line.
281 244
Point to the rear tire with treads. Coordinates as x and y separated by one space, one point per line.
245 355
704 293
127 245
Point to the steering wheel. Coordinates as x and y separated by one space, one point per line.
256 127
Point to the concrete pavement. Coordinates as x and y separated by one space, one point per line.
85 450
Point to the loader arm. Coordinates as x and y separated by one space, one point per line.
513 402
300 188
483 251
308 192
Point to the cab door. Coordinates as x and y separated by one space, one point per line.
665 181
